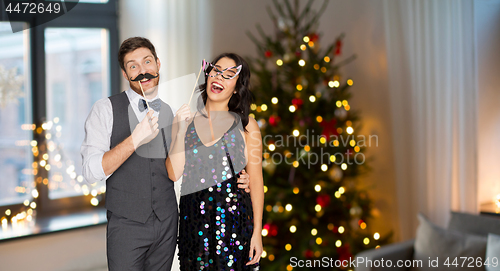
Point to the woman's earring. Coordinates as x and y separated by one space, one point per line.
234 92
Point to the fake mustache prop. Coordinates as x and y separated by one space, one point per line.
142 76
139 78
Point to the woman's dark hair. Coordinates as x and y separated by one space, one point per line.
241 100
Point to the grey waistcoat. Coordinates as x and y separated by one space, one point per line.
140 185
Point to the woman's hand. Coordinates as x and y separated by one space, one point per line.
255 248
182 118
244 181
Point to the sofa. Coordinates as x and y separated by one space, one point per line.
464 230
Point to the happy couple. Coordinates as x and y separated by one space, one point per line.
134 141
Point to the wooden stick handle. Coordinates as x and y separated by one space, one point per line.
195 83
144 95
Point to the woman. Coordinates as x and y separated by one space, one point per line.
220 225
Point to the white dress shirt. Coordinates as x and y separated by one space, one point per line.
98 129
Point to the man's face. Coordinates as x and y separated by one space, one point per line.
141 61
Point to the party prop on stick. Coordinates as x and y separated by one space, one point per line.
139 78
203 64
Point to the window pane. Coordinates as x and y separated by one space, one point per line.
77 72
16 133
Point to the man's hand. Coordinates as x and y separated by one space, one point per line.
244 181
145 131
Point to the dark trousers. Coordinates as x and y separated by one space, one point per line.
133 245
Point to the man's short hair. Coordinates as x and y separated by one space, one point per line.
132 44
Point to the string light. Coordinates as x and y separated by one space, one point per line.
341 229
279 62
312 98
341 190
302 62
271 147
317 188
263 107
306 39
296 133
293 229
274 100
314 232
317 208
326 59
288 207
291 108
376 236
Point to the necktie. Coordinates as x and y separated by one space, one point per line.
155 105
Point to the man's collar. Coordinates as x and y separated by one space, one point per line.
134 97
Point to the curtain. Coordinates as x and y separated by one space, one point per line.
432 82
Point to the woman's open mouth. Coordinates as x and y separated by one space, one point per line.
217 88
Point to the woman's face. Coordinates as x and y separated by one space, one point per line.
220 89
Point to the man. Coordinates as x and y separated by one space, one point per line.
121 146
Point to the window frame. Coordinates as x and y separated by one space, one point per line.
83 15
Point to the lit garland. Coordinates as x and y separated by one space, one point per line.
48 155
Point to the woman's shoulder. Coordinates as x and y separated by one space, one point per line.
252 125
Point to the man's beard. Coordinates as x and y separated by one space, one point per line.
137 88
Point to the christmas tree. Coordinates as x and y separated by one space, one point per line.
313 156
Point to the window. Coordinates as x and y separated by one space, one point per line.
16 134
50 76
76 77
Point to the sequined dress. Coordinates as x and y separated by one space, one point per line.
216 223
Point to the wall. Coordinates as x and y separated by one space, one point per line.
82 249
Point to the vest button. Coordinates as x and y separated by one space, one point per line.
154 188
154 201
152 160
153 174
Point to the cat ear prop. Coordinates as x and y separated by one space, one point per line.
204 64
